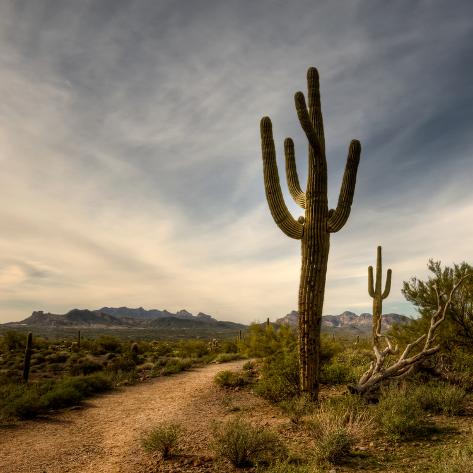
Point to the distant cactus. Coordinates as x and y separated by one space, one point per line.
78 340
378 295
318 223
27 358
135 349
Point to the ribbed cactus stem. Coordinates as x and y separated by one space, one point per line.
376 292
27 357
314 228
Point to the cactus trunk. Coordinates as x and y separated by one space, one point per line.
27 358
314 228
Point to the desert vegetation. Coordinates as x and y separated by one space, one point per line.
39 375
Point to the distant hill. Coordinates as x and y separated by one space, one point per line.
348 320
124 317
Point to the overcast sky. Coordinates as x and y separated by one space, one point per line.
131 169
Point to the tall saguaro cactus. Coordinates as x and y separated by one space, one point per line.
375 291
315 227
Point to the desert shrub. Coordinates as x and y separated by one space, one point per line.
191 348
168 366
245 445
19 401
121 363
336 428
297 407
336 373
261 341
26 401
106 344
399 415
12 340
231 379
279 377
225 357
84 366
459 460
163 439
440 398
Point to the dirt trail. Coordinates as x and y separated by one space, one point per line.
105 436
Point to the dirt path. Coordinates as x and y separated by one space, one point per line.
105 436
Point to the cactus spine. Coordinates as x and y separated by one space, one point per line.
318 222
374 290
27 358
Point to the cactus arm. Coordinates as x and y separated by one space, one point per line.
307 126
387 287
291 174
370 281
315 109
281 215
340 216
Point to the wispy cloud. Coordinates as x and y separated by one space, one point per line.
131 168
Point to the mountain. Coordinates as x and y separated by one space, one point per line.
124 317
348 320
73 318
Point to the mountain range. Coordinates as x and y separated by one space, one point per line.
347 319
124 317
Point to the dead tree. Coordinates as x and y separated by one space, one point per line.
380 370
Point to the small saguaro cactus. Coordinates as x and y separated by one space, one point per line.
78 339
27 358
375 291
318 222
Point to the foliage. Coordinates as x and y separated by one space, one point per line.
297 407
245 445
399 414
231 379
225 357
279 379
163 439
440 398
21 401
336 427
458 326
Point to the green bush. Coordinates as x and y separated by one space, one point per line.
336 427
279 377
244 445
225 357
336 373
440 398
399 415
297 407
84 366
231 379
26 401
168 366
163 439
13 340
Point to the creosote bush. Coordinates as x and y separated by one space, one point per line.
336 428
245 445
440 398
163 439
399 415
231 379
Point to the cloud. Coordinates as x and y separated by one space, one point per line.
131 168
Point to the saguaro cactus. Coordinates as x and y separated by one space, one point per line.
27 358
314 228
378 295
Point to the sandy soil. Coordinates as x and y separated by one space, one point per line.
104 436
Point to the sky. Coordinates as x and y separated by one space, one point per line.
130 154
